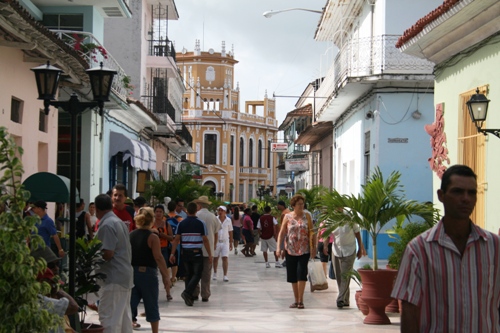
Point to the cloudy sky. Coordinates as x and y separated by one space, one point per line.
278 53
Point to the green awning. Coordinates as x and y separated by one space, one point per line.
48 187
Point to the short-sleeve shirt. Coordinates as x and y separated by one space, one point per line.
212 224
266 225
226 227
456 292
191 230
344 241
114 235
46 229
56 306
247 223
125 216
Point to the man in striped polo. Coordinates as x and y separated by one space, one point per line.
192 235
448 279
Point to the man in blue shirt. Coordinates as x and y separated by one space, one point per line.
192 235
46 227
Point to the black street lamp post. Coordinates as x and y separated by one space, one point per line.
262 191
47 81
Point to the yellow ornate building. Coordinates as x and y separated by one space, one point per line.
234 146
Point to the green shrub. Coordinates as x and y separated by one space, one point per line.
20 306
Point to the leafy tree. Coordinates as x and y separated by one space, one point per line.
313 196
20 306
180 185
268 200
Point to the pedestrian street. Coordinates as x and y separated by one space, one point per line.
256 299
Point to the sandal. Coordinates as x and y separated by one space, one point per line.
293 305
136 324
169 298
300 305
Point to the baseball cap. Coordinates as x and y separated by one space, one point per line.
223 208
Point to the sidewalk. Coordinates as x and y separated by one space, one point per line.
256 299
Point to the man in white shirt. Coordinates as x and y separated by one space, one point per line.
344 253
224 244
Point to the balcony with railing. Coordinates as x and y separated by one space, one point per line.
184 133
367 57
94 53
161 47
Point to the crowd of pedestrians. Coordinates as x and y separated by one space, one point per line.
141 243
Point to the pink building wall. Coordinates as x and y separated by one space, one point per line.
18 81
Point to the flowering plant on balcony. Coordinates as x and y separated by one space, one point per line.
89 49
126 84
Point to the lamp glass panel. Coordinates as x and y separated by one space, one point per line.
47 80
479 110
100 82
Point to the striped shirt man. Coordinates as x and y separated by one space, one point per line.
192 230
455 293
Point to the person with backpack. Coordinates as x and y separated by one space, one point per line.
83 224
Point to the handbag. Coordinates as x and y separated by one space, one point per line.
317 278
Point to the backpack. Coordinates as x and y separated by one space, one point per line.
173 223
80 225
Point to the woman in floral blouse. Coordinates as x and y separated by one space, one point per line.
295 231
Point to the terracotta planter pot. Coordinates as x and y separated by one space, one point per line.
377 287
393 306
92 328
360 303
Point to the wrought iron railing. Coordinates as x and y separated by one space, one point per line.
185 134
161 47
94 53
368 56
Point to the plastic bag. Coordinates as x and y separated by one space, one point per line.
317 278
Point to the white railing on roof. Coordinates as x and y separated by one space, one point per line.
94 53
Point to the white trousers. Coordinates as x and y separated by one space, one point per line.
114 309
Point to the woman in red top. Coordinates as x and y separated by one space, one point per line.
247 232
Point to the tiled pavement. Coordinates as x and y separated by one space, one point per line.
256 299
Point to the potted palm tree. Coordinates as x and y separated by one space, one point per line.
381 201
87 259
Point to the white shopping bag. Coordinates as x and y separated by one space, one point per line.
317 276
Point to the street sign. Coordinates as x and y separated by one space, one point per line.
279 147
297 164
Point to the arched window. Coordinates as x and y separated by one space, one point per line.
250 153
242 151
259 152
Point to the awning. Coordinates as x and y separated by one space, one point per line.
141 155
48 187
315 133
